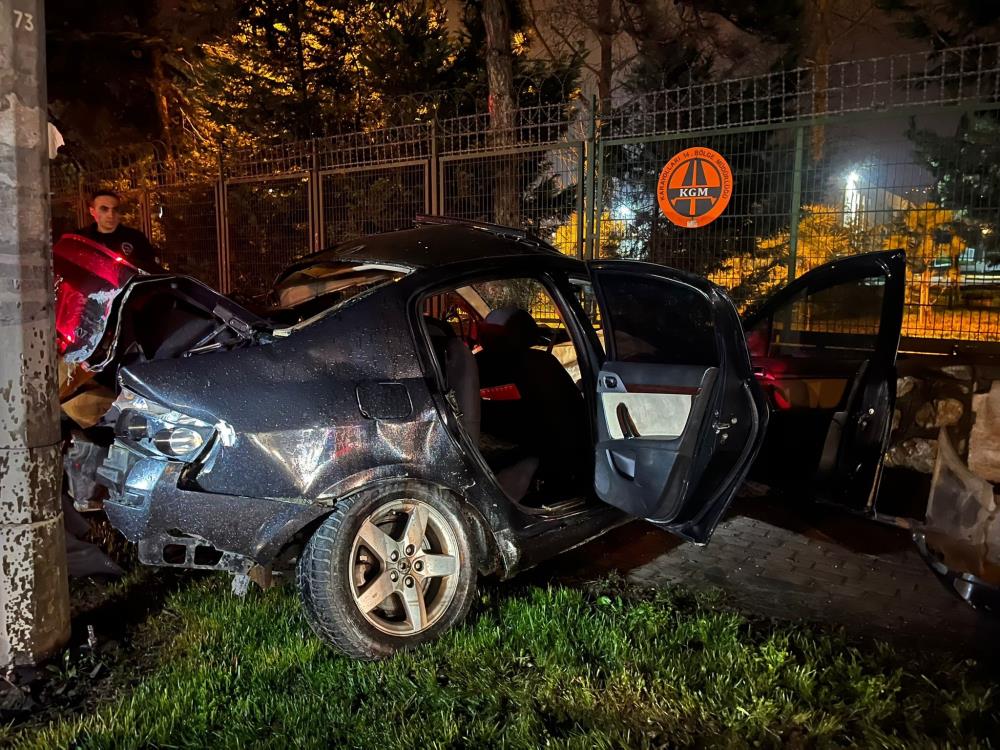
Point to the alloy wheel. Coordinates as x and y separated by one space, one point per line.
405 566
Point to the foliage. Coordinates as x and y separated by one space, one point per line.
601 668
291 69
946 22
822 237
966 171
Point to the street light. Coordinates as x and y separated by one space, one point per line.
852 198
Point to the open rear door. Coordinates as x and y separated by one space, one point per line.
679 413
824 350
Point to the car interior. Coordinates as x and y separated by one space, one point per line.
518 400
810 356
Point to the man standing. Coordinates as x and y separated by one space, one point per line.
108 230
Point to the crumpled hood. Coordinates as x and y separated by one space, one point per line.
100 294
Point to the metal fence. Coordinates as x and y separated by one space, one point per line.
894 152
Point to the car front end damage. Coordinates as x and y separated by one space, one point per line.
151 471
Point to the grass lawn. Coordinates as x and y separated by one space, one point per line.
602 667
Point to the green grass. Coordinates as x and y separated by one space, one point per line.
561 667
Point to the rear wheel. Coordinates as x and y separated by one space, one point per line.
390 568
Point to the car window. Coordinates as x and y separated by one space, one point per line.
658 321
840 320
457 311
527 294
312 293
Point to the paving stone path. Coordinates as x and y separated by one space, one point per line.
807 563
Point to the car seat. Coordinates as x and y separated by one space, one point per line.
462 376
535 403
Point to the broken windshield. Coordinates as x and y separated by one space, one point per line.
310 293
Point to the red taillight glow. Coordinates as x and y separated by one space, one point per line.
506 392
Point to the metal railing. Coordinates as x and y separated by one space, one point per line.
883 153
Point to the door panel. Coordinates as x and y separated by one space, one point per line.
649 430
636 404
678 411
824 350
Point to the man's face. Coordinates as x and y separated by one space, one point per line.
105 213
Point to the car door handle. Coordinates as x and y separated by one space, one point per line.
625 421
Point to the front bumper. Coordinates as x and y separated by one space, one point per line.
183 528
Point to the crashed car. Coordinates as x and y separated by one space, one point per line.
401 423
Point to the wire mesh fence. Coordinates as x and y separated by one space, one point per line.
268 227
369 200
898 152
184 227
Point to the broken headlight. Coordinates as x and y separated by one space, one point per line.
158 429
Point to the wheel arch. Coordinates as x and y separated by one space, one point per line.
492 555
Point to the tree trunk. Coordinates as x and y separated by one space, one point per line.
818 17
162 104
606 38
500 73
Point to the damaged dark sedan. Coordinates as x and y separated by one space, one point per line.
427 406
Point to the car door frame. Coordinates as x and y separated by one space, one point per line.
552 274
697 515
891 265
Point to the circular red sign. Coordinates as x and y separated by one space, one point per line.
695 187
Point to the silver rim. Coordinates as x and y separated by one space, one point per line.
404 567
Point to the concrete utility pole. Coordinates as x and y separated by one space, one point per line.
34 595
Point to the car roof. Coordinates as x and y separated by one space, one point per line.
439 242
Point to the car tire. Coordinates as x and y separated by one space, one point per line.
390 568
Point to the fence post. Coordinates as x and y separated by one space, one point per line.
147 210
793 230
81 204
316 227
222 228
591 179
433 170
598 207
581 186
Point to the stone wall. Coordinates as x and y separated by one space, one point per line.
961 396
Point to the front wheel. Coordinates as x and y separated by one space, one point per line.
390 568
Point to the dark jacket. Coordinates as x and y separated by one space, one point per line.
133 245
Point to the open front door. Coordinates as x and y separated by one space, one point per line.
679 414
824 350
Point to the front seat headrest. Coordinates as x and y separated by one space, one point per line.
509 329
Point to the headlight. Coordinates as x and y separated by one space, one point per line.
157 429
179 441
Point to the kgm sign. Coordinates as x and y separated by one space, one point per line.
695 187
